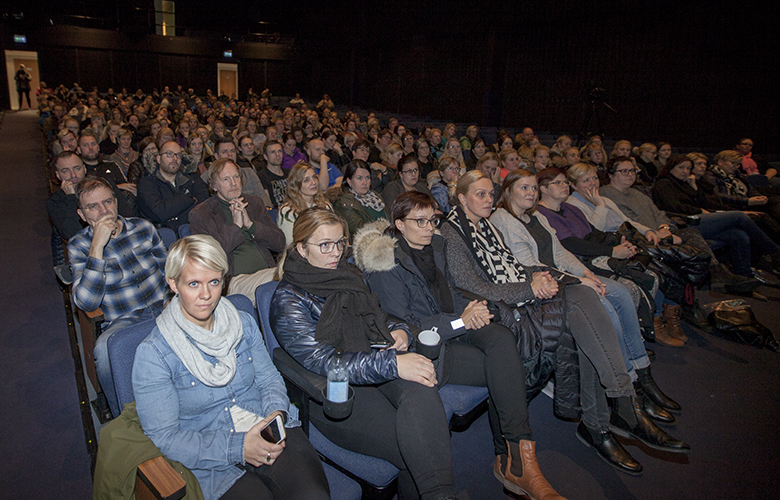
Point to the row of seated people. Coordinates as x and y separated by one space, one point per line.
320 287
472 191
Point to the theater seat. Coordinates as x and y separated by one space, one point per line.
462 405
121 355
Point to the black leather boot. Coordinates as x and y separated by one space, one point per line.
609 449
629 420
655 393
657 413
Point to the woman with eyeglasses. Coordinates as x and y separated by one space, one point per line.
406 267
482 264
357 203
636 207
408 180
323 305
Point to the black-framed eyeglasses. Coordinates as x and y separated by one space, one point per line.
413 171
626 171
327 247
423 223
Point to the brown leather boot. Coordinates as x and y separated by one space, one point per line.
662 336
672 315
530 480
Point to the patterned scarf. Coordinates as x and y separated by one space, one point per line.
369 200
733 184
488 248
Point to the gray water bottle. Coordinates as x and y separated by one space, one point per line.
338 382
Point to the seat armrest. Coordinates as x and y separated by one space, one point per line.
95 316
156 479
309 382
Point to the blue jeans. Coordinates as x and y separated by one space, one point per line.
622 312
102 364
740 234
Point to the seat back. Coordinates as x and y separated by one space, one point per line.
122 346
168 236
184 230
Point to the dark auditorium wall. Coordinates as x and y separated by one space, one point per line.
106 59
694 73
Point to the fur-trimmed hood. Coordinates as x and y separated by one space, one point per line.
374 250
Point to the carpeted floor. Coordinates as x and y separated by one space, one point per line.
729 392
42 438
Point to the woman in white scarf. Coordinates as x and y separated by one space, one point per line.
205 387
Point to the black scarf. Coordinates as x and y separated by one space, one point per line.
425 261
351 318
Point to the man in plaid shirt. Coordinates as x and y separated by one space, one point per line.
119 266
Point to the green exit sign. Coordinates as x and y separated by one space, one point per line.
20 39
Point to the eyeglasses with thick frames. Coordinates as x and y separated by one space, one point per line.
423 223
171 154
626 171
413 171
327 247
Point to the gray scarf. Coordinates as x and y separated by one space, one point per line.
189 341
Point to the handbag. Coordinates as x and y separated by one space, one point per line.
737 321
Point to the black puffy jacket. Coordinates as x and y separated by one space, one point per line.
294 315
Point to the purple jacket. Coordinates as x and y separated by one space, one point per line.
570 221
288 161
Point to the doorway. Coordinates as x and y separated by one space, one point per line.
13 58
227 80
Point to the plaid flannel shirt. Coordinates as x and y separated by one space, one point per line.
129 277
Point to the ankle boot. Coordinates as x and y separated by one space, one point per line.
672 316
654 392
653 410
629 420
521 475
609 449
662 336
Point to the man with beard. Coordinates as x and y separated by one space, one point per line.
89 150
167 197
62 206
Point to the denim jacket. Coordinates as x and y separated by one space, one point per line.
190 422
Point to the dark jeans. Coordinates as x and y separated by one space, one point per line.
602 368
488 357
740 234
296 474
25 93
404 423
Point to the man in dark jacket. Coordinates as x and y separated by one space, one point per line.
167 197
241 225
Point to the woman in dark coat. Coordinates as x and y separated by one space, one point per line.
406 268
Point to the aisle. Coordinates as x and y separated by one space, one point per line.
42 440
